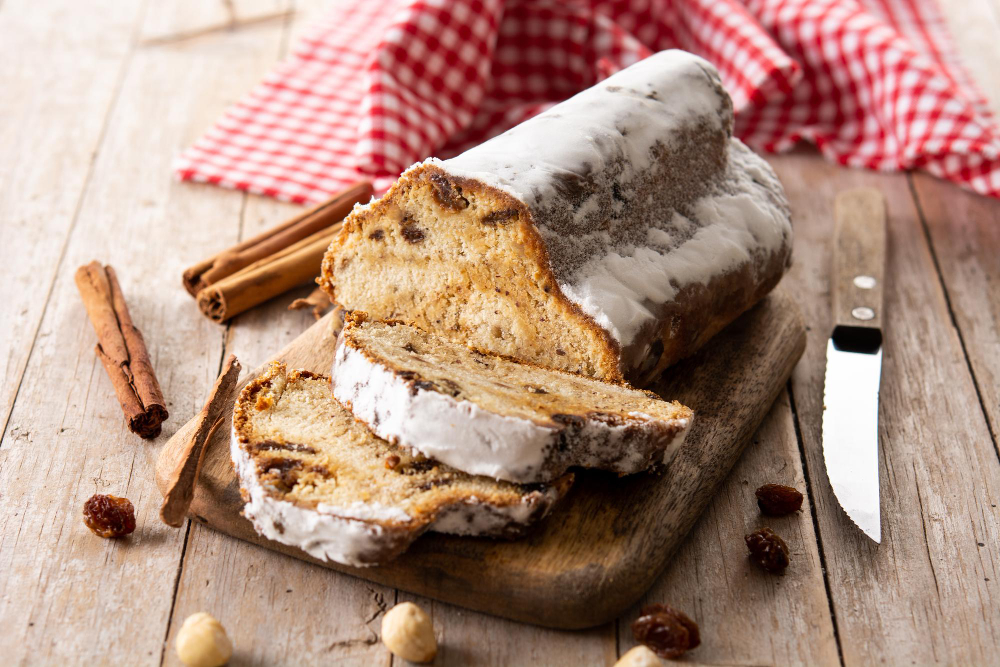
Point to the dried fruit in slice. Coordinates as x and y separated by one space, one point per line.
768 550
109 516
778 499
665 630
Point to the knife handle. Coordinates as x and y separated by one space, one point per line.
858 260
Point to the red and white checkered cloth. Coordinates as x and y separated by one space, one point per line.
376 86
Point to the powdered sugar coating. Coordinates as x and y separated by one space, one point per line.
745 218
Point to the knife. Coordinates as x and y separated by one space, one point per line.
854 357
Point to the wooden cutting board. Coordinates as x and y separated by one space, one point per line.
612 537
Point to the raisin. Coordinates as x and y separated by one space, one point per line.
453 388
768 550
502 217
447 194
425 385
778 499
606 418
568 420
286 471
391 461
377 235
433 484
322 471
666 631
535 390
409 348
412 233
272 445
109 516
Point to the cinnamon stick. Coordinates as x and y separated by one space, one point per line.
318 300
228 262
122 350
184 478
293 266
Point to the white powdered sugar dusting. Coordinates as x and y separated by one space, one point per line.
460 433
731 227
601 129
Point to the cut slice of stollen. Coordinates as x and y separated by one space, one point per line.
494 416
313 477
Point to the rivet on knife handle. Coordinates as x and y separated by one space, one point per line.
858 258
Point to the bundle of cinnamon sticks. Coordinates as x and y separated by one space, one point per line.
235 280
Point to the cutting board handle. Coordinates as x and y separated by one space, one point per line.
858 264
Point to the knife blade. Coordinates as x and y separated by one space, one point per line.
854 357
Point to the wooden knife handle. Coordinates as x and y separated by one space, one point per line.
858 259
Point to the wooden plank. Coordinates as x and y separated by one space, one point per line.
927 587
471 638
174 24
965 233
746 616
66 595
60 66
278 611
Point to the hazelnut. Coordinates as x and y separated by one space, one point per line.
407 631
639 656
202 642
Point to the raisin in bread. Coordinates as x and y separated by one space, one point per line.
611 235
493 416
313 477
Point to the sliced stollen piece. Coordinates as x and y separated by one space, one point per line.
611 235
313 477
494 416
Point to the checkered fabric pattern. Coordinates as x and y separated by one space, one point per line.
376 86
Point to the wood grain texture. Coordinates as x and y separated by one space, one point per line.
469 638
612 537
67 596
965 231
746 616
174 25
858 254
61 65
929 583
180 488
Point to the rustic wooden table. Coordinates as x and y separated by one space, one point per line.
97 98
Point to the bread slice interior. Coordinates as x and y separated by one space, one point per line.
314 477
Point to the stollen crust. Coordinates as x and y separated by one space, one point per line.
495 416
313 477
